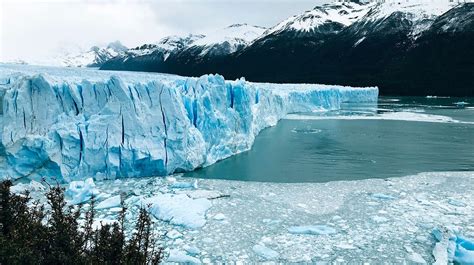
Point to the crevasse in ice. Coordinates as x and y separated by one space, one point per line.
76 123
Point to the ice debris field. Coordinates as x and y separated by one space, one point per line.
72 124
421 219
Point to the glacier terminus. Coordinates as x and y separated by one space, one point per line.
71 124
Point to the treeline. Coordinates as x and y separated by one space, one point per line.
31 233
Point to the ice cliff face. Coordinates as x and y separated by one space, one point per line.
77 123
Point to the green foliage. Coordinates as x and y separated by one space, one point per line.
29 234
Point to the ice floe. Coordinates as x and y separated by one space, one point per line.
179 209
265 252
180 256
395 116
109 203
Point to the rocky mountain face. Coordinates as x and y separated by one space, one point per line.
417 47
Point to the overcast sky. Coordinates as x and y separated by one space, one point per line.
38 29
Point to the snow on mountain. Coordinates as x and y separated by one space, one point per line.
418 9
458 19
166 45
421 13
343 13
228 40
128 124
236 34
94 57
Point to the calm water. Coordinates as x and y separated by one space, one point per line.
321 150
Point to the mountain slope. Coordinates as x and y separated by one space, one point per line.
95 57
403 52
173 52
416 47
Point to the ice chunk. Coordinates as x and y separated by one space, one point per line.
219 217
136 124
31 187
173 234
416 258
192 250
179 209
180 256
457 203
464 253
109 203
81 191
184 185
382 196
265 252
379 219
452 248
208 194
312 230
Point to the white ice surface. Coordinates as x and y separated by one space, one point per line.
109 203
181 257
179 209
264 252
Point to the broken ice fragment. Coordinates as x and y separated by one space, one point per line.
179 209
265 252
312 230
109 203
382 196
180 256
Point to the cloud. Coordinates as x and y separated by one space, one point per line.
36 29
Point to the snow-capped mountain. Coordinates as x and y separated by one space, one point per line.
175 50
328 18
165 46
396 45
94 57
227 40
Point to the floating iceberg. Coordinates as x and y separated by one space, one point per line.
71 124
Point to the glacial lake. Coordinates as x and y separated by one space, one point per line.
396 137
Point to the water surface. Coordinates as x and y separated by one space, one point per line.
311 149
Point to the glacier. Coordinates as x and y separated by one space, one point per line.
71 124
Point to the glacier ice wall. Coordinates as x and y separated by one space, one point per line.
72 124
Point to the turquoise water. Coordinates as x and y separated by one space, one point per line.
321 147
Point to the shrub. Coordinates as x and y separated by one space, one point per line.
29 234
